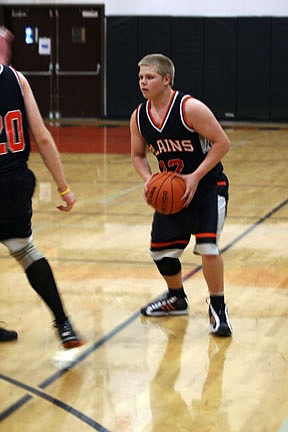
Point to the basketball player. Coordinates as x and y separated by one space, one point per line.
19 115
185 137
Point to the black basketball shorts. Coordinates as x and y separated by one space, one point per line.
17 188
203 218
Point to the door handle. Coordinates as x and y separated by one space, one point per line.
37 73
77 73
41 73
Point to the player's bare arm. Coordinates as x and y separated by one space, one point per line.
46 145
139 151
201 119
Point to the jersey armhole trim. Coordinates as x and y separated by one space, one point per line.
18 79
138 117
182 112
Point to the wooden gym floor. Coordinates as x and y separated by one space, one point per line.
140 374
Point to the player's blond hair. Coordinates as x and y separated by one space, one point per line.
163 64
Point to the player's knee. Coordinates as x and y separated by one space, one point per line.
206 249
168 266
27 255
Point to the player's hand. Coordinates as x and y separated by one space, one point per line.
146 187
191 187
69 199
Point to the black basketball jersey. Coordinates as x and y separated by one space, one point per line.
14 135
176 146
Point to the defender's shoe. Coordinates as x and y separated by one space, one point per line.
166 306
219 322
68 336
7 335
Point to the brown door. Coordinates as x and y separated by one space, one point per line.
61 51
31 27
79 64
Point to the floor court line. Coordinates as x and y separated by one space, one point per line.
127 322
22 401
95 425
120 194
243 234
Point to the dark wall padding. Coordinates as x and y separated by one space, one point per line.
253 68
154 35
187 53
122 70
279 70
237 66
220 66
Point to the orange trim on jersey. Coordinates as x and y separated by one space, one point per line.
16 73
136 118
221 183
186 98
166 113
164 244
203 235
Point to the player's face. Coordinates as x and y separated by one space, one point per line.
5 45
5 51
151 83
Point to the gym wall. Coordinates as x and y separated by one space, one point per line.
236 65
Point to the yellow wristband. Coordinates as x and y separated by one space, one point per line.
65 191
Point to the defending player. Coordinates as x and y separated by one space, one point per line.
19 113
185 137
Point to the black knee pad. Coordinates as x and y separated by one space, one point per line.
168 266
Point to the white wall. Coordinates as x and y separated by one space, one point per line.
179 7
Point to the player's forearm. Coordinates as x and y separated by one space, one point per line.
51 158
215 155
142 167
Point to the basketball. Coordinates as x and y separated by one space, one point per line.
165 190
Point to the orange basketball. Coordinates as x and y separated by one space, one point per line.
165 191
